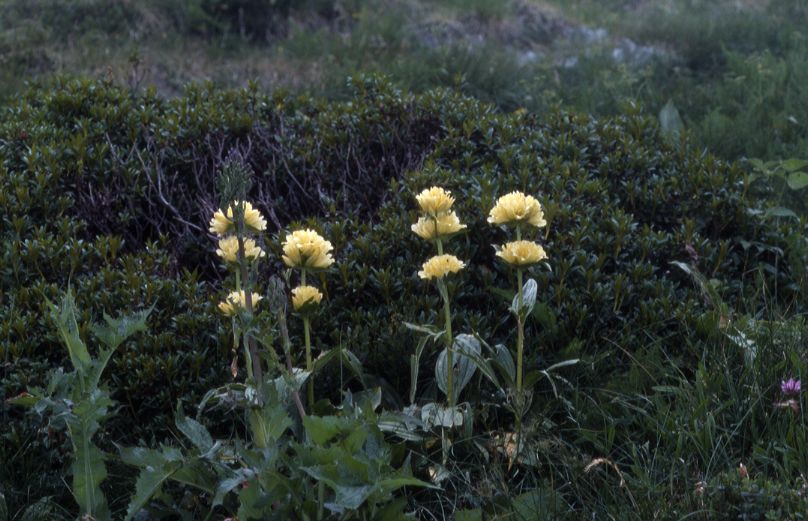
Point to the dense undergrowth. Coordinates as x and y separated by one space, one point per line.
732 69
110 191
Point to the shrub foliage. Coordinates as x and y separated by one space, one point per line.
110 191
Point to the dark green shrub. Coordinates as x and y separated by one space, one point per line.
733 497
113 192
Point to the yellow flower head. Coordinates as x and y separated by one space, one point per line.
305 296
515 208
447 224
522 253
228 249
435 201
223 222
307 249
237 300
439 266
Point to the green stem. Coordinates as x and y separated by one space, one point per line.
320 499
447 315
307 338
251 349
309 365
520 331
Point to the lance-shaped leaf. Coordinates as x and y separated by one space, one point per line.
464 367
64 315
193 430
88 464
112 334
156 469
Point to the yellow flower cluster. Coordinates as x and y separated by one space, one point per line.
308 250
517 208
222 222
228 249
237 300
435 201
438 221
305 296
522 253
442 225
439 266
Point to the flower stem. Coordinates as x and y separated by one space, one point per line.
307 338
447 315
309 365
250 348
520 331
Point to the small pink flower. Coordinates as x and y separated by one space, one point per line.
790 387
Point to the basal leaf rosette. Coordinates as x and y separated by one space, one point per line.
517 208
441 226
237 300
439 266
435 201
228 249
522 254
307 250
306 299
222 222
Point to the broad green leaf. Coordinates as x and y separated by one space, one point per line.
42 510
431 331
88 463
116 330
321 429
64 315
463 368
143 457
435 414
325 358
353 364
504 358
797 180
792 165
113 334
392 484
400 424
24 400
565 363
252 502
193 430
149 483
779 211
268 424
485 366
349 497
670 120
415 361
229 484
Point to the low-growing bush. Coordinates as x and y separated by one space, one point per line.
111 191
